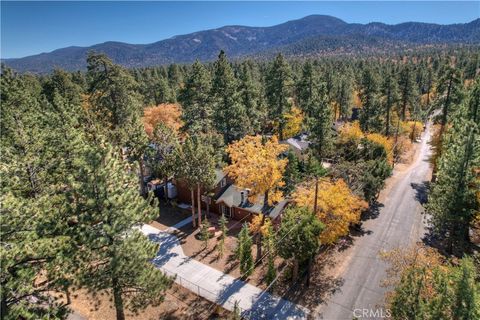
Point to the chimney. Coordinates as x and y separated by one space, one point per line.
242 197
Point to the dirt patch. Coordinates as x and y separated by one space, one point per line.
179 303
195 248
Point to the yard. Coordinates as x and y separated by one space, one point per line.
179 303
194 247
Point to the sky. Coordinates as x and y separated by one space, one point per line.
29 28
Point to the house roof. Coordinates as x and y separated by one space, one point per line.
232 197
219 175
299 142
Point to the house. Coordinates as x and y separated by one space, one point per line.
234 204
228 199
222 181
298 144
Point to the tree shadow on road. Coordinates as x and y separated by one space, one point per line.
421 191
373 211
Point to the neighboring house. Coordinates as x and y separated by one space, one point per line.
298 144
234 204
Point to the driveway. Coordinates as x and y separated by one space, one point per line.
215 285
399 223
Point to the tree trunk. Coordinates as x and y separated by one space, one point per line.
67 295
4 308
315 203
396 141
387 129
118 300
192 195
265 202
207 204
295 269
309 271
141 173
199 203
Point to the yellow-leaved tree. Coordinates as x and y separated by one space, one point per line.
256 166
337 207
166 113
350 132
259 225
293 123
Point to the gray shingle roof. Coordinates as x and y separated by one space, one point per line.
232 197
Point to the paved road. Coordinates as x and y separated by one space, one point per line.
399 224
215 285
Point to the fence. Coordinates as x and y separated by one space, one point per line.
228 304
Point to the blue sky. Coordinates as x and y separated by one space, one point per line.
33 27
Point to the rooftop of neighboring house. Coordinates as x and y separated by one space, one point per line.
238 197
299 142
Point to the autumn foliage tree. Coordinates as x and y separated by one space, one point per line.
337 207
169 114
256 166
428 287
293 122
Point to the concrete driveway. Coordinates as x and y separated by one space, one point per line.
217 286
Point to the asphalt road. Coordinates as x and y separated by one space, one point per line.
399 223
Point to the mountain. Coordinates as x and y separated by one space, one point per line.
309 36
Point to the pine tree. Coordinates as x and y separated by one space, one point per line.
449 90
224 229
251 96
466 304
345 97
230 116
320 122
33 242
175 80
61 82
163 158
205 233
407 302
370 116
114 103
452 202
390 93
292 173
196 165
269 244
196 100
408 91
300 231
115 109
104 210
244 251
306 87
279 86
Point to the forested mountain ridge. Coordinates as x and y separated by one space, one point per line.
313 35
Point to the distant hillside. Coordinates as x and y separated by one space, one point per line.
312 35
